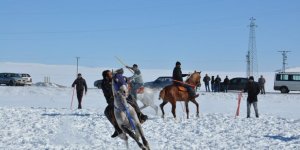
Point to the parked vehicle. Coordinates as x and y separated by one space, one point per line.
160 82
287 81
27 78
97 84
237 84
11 79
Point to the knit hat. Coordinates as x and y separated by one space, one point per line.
178 63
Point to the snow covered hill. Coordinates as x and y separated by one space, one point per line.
39 117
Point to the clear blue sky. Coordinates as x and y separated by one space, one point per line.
202 34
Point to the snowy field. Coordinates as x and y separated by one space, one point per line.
39 117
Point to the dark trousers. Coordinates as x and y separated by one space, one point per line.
217 87
225 88
262 89
255 108
79 97
190 90
110 115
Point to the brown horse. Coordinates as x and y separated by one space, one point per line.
173 93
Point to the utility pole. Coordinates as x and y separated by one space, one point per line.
252 67
77 58
284 59
248 64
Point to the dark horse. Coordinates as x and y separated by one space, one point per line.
173 93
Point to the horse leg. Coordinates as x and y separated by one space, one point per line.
155 108
143 107
162 108
197 105
124 137
140 130
132 135
174 109
187 109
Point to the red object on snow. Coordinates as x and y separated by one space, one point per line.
240 95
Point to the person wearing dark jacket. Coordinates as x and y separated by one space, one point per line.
80 88
206 80
217 83
226 84
253 90
106 87
212 82
178 80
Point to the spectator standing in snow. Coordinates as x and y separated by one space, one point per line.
80 88
261 82
217 83
212 83
253 90
206 80
226 84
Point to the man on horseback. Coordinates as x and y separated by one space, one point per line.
106 86
136 80
178 80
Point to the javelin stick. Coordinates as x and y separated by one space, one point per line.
240 95
72 98
123 63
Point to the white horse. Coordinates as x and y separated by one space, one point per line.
146 96
125 114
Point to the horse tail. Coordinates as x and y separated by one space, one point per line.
162 94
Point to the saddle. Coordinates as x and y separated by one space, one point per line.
140 90
181 88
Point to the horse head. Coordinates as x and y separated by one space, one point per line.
195 78
120 88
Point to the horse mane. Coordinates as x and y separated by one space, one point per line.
192 76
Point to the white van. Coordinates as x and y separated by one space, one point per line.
287 81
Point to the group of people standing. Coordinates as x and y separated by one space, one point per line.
215 83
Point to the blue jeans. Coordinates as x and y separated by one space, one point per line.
207 88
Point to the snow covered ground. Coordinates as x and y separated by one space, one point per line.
39 117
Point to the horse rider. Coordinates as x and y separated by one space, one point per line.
178 80
136 80
106 87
